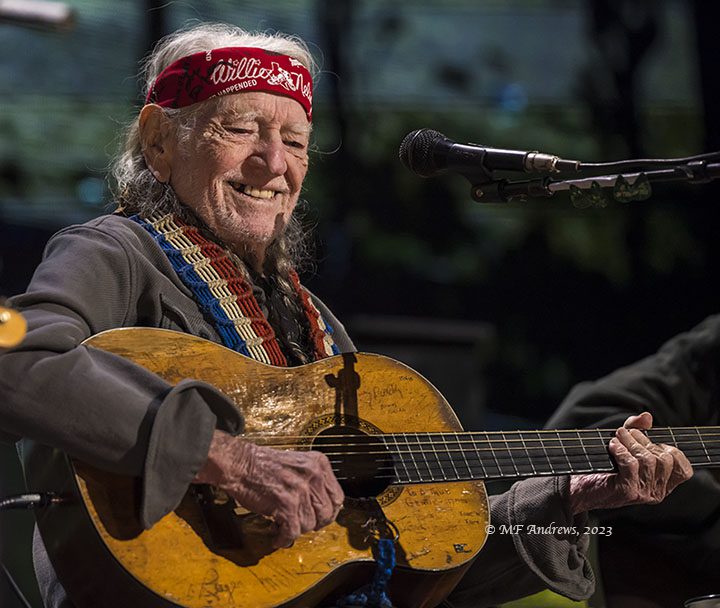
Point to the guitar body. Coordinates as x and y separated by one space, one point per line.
209 552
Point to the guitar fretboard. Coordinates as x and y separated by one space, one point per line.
437 457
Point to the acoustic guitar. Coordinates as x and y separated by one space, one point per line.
397 448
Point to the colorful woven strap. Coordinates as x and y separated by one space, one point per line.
226 297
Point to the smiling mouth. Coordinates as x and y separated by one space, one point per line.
253 191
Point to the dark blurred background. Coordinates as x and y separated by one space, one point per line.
504 307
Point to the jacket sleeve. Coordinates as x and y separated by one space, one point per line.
536 544
96 406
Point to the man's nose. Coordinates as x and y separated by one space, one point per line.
271 150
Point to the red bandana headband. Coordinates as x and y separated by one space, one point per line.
229 70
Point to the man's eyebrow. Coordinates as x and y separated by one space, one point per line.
242 116
296 128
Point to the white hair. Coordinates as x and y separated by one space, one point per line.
210 36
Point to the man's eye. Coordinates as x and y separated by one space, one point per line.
238 130
295 144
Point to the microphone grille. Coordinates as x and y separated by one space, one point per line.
417 151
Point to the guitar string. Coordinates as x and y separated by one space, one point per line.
675 429
478 473
415 448
697 457
442 475
577 459
692 449
604 458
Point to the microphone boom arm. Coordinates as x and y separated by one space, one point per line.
505 191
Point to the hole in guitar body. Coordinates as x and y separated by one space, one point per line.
361 462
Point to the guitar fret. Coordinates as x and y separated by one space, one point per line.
604 443
424 455
402 461
412 457
562 446
437 457
527 452
702 443
512 459
544 449
582 445
461 448
480 460
452 460
497 463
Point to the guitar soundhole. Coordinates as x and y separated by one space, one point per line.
361 462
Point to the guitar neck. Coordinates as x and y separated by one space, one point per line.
434 457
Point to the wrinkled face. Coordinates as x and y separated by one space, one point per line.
242 167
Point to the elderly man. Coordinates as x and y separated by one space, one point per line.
203 242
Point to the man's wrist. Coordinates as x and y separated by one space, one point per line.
577 494
213 470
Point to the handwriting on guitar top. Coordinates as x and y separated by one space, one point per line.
390 390
439 491
212 591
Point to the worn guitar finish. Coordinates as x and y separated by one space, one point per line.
394 444
198 560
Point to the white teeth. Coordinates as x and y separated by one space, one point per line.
255 192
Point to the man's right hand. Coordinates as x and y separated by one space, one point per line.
296 488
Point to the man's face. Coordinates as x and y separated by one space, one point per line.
242 167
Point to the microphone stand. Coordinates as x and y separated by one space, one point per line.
628 186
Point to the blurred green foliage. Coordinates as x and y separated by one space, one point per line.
522 74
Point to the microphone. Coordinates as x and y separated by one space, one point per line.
426 153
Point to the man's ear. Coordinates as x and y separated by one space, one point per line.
157 141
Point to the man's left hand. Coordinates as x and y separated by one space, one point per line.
646 474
